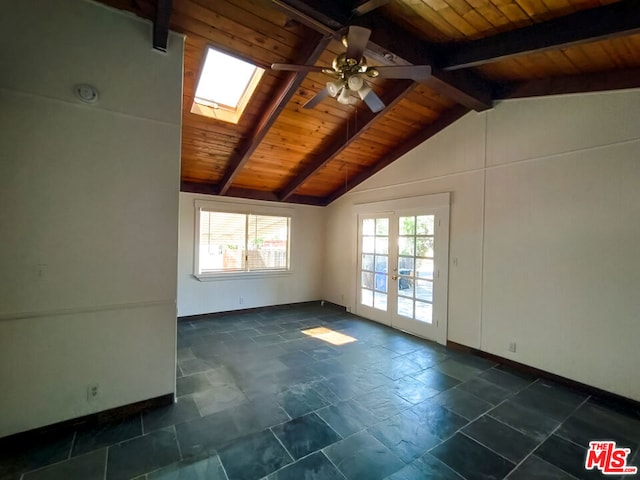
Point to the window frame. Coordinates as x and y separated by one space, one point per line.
240 209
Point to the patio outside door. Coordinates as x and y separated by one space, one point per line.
403 260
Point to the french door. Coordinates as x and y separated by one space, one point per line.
402 269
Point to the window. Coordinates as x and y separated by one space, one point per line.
240 243
226 83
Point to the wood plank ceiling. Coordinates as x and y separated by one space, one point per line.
480 51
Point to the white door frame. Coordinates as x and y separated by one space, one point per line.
440 205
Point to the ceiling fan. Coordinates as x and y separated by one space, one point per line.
350 72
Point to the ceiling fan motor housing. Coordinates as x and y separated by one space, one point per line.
346 67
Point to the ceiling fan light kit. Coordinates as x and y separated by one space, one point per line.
349 68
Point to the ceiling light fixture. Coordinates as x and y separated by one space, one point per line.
355 82
334 88
342 90
351 72
343 98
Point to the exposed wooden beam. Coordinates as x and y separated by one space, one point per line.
333 15
600 23
301 16
292 9
161 25
314 47
589 82
339 143
272 197
446 119
198 187
369 6
210 189
463 87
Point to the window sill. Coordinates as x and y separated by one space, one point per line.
213 277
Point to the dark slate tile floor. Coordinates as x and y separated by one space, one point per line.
259 399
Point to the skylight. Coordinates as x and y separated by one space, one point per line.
225 86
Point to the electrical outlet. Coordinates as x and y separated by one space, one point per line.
241 300
512 347
93 390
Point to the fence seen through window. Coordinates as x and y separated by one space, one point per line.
238 242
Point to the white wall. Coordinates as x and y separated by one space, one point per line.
419 173
544 227
304 283
88 212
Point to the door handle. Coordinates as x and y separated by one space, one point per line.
395 277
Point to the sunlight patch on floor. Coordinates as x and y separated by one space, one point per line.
330 336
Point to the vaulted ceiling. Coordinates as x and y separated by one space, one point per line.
480 52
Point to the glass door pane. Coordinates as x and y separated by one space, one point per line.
415 267
374 269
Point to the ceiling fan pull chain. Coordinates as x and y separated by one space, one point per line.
346 176
347 136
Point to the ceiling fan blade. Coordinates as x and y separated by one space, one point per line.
414 72
373 102
289 67
357 40
317 98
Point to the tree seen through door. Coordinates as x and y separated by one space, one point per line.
415 267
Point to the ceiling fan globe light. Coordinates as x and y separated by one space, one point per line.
344 96
355 82
333 88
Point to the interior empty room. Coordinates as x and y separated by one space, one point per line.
290 239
